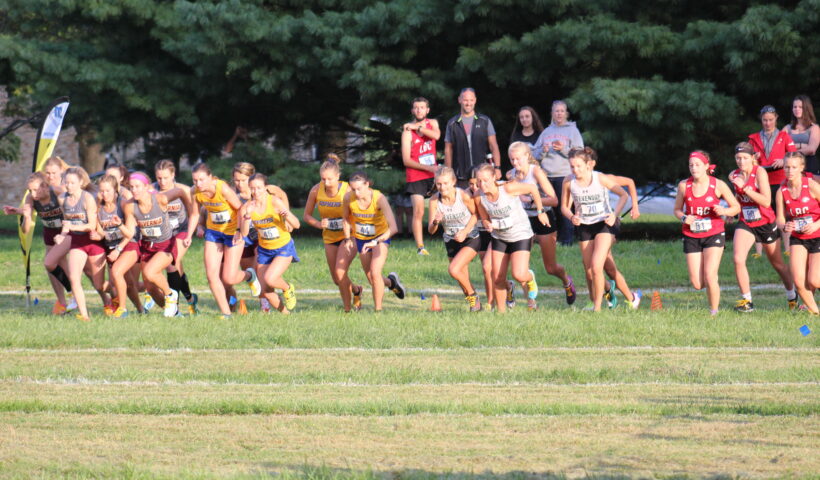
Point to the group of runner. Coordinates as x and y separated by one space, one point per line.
139 227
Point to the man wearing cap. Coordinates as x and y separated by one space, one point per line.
469 140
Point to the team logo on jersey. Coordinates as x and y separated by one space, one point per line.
709 199
717 241
768 239
805 199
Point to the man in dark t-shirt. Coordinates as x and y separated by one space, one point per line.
469 140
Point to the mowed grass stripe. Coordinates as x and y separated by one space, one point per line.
423 447
497 366
660 400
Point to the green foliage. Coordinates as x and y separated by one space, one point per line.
10 148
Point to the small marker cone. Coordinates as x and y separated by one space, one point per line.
243 308
436 304
656 301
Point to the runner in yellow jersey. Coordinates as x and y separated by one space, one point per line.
369 220
275 249
221 253
328 195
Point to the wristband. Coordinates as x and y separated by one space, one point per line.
683 219
118 248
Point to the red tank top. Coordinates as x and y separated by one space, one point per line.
751 213
801 211
707 222
422 150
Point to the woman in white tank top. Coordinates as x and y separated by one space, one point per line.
589 191
454 210
504 217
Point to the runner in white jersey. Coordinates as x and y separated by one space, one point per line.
595 218
504 217
454 210
527 170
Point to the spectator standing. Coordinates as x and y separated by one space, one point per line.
469 140
804 132
528 127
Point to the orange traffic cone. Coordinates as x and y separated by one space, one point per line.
243 308
436 304
656 301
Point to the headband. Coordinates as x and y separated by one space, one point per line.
709 167
141 177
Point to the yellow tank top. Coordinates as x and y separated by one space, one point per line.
270 226
221 217
331 209
369 222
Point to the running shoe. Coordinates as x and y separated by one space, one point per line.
756 255
290 296
531 305
570 291
422 251
396 287
636 299
111 307
610 296
225 316
148 303
473 302
744 306
242 309
171 306
264 305
253 282
357 298
510 294
81 318
120 312
58 308
793 303
71 302
192 304
532 287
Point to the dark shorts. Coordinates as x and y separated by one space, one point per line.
510 247
812 245
49 234
129 247
181 235
149 249
486 239
425 187
250 249
453 247
539 229
218 237
83 242
764 234
774 187
360 243
589 232
697 245
265 256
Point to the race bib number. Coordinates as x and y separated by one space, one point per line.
113 235
334 224
151 232
270 233
53 223
427 159
174 223
591 209
751 214
451 231
701 225
365 229
501 224
220 217
800 223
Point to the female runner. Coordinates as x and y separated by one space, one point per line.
756 224
454 210
697 205
275 251
798 213
504 217
328 195
373 224
222 255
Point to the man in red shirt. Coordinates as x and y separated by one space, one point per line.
418 153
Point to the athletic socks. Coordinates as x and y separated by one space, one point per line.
185 288
174 280
747 296
61 277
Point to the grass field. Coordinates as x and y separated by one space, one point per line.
557 393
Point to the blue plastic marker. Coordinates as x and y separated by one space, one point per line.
659 261
805 330
36 300
422 297
232 300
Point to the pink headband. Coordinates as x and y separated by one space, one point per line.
140 177
709 167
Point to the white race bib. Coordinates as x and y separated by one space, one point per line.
701 225
501 224
427 159
151 232
591 209
113 235
221 217
174 223
751 214
269 233
335 224
53 223
801 223
451 231
365 229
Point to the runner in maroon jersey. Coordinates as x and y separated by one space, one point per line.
698 208
798 213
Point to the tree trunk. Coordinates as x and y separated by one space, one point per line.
91 156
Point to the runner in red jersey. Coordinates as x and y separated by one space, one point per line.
698 208
798 213
418 153
756 223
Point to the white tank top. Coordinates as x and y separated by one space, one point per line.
591 202
509 220
455 217
526 200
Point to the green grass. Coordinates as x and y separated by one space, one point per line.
409 394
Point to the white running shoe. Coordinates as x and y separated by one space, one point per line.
71 302
636 301
253 282
148 303
171 306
